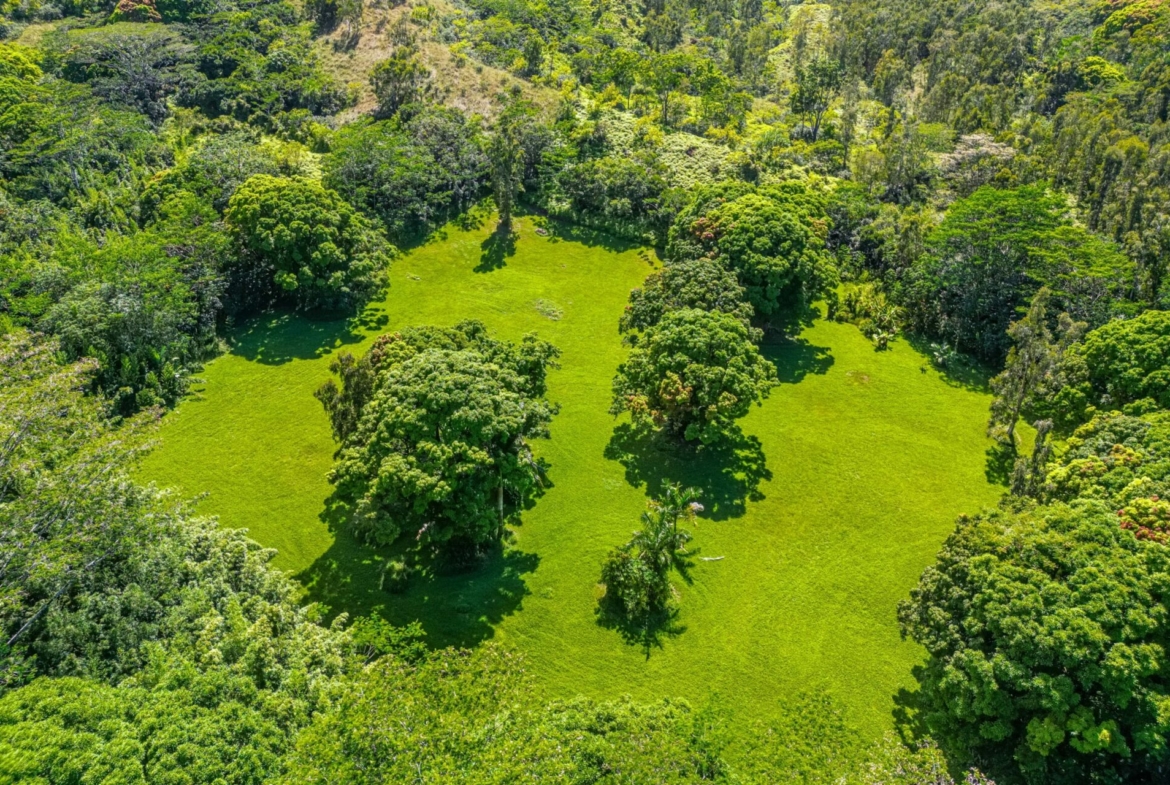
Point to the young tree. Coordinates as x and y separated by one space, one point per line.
694 373
636 575
817 83
400 80
306 243
1032 363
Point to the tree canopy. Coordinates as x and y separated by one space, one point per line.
304 244
440 447
694 373
990 255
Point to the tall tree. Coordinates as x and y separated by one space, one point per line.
817 83
506 157
1032 362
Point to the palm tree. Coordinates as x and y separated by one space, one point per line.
661 542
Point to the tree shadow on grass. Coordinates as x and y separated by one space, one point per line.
728 475
1001 461
909 714
647 632
588 236
498 246
960 370
796 358
455 607
279 337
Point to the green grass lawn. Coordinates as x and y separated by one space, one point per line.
847 481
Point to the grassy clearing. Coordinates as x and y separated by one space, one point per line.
846 482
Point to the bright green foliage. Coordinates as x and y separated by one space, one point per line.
112 581
772 238
1047 633
468 717
702 283
212 171
412 175
1114 458
1123 364
991 254
305 244
695 373
443 438
205 727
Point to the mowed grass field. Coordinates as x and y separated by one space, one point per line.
846 482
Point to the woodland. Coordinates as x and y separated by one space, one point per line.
585 391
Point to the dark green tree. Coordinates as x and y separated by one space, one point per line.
1045 632
441 445
991 254
1032 365
772 239
1120 365
303 243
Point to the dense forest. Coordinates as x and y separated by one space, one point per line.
988 181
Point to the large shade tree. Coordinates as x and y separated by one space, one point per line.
303 243
436 434
694 374
993 252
